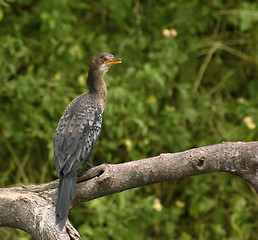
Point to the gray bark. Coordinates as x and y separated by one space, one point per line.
32 208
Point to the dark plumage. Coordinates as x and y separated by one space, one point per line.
78 131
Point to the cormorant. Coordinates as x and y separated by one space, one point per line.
77 132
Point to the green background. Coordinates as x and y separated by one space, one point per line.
188 79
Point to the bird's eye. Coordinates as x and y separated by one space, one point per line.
104 58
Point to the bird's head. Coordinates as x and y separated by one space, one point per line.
103 61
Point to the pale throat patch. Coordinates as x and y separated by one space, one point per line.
103 68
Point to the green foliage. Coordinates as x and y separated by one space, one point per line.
188 79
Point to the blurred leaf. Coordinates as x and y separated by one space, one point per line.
46 49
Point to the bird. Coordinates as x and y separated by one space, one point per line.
77 133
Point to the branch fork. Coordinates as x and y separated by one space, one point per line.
32 208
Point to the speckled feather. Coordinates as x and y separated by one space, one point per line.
77 133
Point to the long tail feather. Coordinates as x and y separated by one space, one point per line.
66 193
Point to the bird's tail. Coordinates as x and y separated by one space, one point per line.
66 193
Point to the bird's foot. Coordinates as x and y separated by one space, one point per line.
84 170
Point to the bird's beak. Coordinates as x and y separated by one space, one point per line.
110 62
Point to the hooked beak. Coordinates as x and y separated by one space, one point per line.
110 62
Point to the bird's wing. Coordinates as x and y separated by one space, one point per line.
76 134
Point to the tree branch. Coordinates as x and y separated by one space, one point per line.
31 208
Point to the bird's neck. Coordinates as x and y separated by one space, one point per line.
97 86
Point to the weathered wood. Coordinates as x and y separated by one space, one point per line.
31 208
